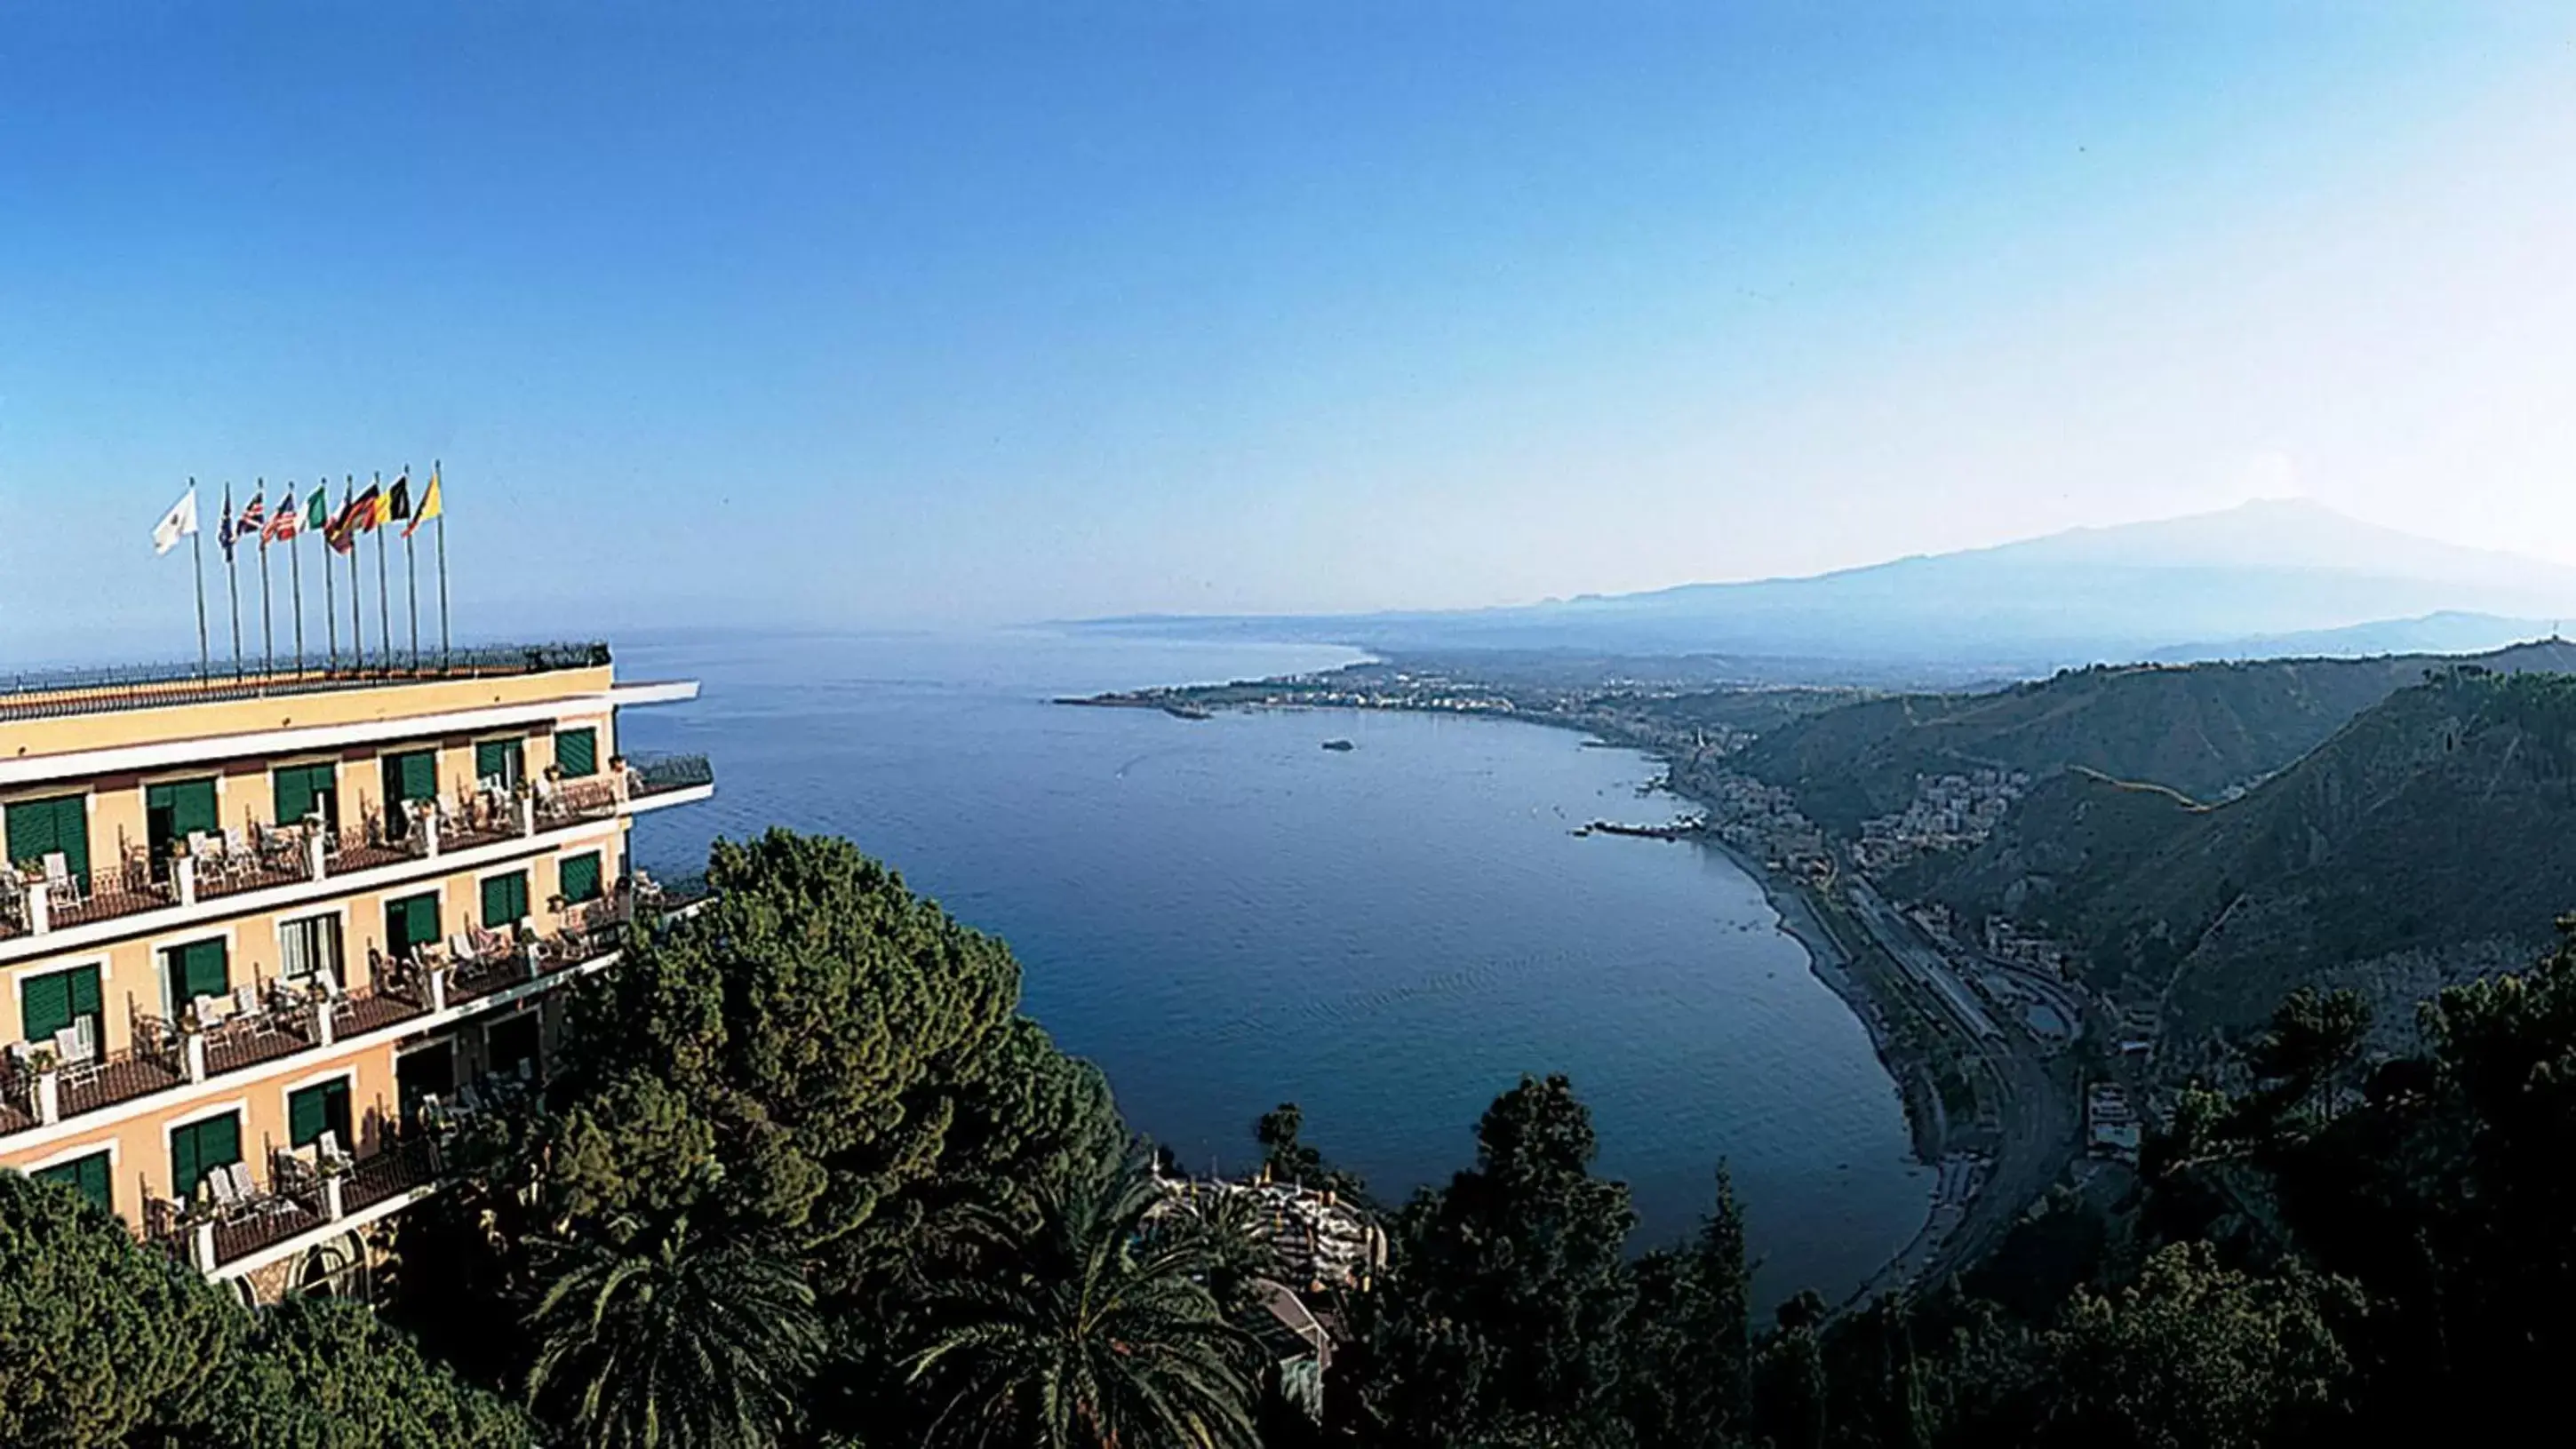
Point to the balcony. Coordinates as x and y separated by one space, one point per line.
37 898
302 1201
288 1021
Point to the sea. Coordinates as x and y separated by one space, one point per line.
1225 916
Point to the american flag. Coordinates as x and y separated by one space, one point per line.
283 528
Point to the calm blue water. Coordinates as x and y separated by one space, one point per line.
1224 916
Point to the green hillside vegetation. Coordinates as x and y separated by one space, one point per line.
2199 729
2444 816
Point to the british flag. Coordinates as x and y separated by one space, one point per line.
254 516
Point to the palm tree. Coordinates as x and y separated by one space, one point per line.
1094 1331
679 1342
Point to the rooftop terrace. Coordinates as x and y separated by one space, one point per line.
62 693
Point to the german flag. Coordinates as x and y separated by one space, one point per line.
356 513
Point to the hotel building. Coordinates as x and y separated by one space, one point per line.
264 939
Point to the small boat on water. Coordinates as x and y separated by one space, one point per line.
1181 709
1339 745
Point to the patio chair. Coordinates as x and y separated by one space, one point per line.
60 883
326 1148
246 999
460 947
219 1183
329 980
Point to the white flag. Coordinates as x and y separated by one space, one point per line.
177 524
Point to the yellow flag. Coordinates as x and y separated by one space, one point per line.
431 505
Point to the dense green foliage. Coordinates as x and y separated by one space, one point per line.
100 1342
1093 1327
104 1342
673 1341
319 1373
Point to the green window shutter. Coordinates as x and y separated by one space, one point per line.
38 828
505 900
198 969
504 760
201 1147
577 752
191 804
411 921
579 877
411 776
87 1176
317 1109
300 789
48 1003
44 1005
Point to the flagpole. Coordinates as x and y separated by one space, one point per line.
411 580
442 571
232 578
197 551
295 572
357 604
330 601
384 601
267 636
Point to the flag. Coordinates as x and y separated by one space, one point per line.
285 523
254 518
176 524
224 525
367 510
397 505
342 532
431 505
317 510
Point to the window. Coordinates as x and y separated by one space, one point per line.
57 999
508 1044
304 790
175 809
412 775
579 877
577 752
200 1148
411 923
500 762
38 828
200 968
322 1107
505 900
309 947
87 1176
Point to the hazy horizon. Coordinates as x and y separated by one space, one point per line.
994 315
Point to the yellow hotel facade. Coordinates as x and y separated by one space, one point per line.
264 938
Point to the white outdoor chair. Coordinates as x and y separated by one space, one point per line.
60 883
326 1148
219 1182
246 999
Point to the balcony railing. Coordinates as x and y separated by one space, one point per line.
664 773
52 694
296 1198
162 1056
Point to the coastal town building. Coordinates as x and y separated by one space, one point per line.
263 934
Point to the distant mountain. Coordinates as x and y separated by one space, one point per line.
2199 730
2263 569
2440 821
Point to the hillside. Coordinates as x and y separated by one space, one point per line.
2198 729
2441 820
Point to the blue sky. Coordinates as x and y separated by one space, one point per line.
938 314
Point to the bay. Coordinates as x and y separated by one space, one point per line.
1223 915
